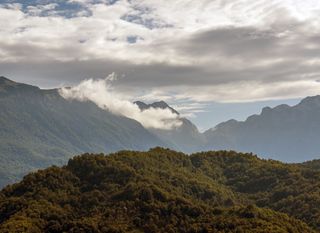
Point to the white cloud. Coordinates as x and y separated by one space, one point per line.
194 50
104 96
105 31
252 91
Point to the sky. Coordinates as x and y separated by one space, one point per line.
212 60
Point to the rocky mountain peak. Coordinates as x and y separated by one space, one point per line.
160 104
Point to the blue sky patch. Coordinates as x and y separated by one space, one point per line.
62 8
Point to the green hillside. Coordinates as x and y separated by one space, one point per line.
165 191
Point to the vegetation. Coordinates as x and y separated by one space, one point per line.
314 164
165 191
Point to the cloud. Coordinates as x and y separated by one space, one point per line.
244 92
102 93
224 51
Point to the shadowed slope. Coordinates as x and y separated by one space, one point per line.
39 128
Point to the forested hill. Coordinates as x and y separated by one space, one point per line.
165 191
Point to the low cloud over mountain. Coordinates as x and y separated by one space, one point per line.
102 93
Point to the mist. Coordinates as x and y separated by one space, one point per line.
102 93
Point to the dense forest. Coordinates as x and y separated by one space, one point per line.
165 191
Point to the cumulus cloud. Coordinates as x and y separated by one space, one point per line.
102 93
221 50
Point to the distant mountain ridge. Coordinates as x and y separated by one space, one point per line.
283 132
286 133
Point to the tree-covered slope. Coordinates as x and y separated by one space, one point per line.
164 191
39 128
290 188
314 164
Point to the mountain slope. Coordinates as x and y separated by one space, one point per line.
185 138
163 191
39 128
284 133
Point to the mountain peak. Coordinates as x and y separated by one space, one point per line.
311 100
266 110
141 105
230 122
159 104
9 86
7 82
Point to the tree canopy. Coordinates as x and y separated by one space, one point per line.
165 191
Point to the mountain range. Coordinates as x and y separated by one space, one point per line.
283 133
39 128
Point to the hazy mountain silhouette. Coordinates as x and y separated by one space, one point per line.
283 133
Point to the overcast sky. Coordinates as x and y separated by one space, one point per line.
195 54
